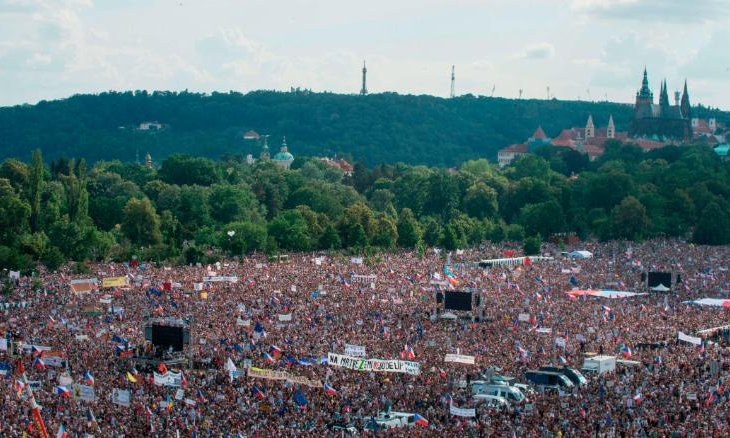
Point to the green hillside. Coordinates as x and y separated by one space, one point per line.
379 128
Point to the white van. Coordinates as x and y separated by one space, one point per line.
492 400
510 393
390 420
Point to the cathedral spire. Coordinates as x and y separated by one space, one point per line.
684 106
664 97
611 131
645 92
364 89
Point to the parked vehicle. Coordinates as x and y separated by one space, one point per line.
389 420
574 375
508 392
548 379
599 364
492 400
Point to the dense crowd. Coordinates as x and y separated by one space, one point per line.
675 390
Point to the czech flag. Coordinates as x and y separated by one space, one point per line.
35 351
63 391
201 397
88 378
421 421
268 357
61 433
637 398
148 411
90 416
258 393
329 390
442 373
275 351
605 309
408 353
345 284
38 363
449 399
275 300
131 378
626 351
162 367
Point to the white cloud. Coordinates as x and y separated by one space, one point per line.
537 51
676 11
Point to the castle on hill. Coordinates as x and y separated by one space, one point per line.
661 121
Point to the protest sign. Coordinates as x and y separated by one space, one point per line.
560 342
168 379
459 358
691 339
285 317
462 412
354 350
84 392
115 282
179 394
375 365
221 279
524 317
121 397
261 373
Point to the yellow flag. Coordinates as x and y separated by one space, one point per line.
131 378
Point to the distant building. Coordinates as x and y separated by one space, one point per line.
338 163
265 155
150 126
251 135
722 150
507 155
283 158
661 122
148 161
589 140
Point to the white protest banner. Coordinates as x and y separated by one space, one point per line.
27 348
285 317
690 339
190 402
261 373
180 394
375 365
84 392
243 322
82 337
54 359
462 412
121 397
34 384
580 337
219 279
168 379
355 350
197 286
459 358
235 374
3 344
356 260
14 275
524 317
65 380
545 330
560 341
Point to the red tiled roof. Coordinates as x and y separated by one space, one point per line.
702 127
646 144
539 133
520 148
251 135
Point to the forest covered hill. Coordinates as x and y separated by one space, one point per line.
377 128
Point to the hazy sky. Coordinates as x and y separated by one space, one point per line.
588 49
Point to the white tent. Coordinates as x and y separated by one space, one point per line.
580 255
660 288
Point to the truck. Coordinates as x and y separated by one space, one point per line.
599 364
548 379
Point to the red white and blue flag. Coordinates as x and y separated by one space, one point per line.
330 390
63 391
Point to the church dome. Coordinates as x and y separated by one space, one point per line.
283 156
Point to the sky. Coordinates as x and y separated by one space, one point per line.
580 49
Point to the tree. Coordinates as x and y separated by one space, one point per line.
330 239
35 189
409 232
184 169
532 245
629 219
480 201
544 218
290 230
247 237
713 227
14 213
386 233
140 223
77 198
230 203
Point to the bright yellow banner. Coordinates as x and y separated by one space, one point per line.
115 282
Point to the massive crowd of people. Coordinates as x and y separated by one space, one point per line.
676 389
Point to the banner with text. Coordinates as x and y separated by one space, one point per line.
261 373
376 365
462 412
459 358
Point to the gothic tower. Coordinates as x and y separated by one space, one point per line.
684 105
611 131
590 128
364 89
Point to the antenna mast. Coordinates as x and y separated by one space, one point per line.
453 79
364 89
